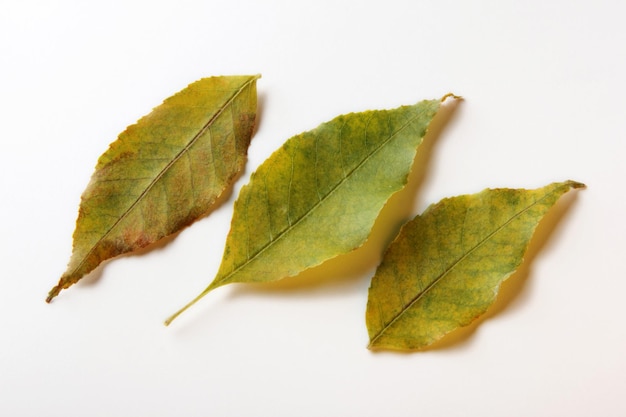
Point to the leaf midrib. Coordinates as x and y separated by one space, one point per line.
280 235
164 170
454 264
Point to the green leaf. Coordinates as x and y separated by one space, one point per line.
163 172
445 267
319 194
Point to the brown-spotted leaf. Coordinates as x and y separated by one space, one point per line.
318 195
163 172
445 267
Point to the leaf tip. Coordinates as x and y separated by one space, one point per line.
576 184
452 96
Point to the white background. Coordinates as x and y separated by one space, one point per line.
544 90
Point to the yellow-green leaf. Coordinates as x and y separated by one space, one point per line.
163 172
319 194
445 267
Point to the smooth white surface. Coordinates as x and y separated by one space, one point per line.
544 92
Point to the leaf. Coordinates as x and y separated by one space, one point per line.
163 172
445 267
319 195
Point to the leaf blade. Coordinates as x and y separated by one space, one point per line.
162 173
445 267
320 193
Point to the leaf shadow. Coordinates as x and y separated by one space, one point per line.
513 288
344 273
261 102
96 275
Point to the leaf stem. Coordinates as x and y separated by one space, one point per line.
189 304
53 293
